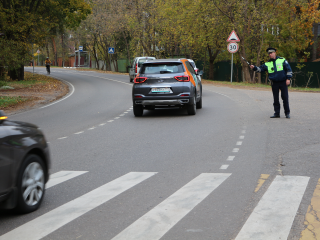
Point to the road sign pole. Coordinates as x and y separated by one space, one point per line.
231 65
79 59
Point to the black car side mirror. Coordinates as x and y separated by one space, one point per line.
2 116
200 73
129 67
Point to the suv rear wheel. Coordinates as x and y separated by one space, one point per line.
138 110
199 104
191 108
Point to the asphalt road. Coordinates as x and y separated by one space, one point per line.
169 175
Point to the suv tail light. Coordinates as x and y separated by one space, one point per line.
136 69
196 70
140 79
182 78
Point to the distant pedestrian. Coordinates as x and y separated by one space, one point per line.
280 75
48 63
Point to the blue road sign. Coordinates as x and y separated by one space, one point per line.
80 48
111 50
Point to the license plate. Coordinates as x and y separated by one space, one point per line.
160 90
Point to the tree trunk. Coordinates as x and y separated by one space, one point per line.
128 49
95 56
47 48
55 51
315 42
245 66
211 69
62 46
17 74
212 57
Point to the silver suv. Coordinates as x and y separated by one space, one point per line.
135 68
166 83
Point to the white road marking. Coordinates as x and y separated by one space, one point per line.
116 117
272 218
79 132
121 115
91 128
62 176
239 143
155 223
230 158
64 214
62 138
235 150
224 166
125 112
110 120
241 137
102 124
222 94
72 91
243 131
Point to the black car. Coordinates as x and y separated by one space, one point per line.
24 165
167 83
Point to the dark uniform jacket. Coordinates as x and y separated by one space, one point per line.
278 69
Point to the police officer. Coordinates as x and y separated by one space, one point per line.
280 73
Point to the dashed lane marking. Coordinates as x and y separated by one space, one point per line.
224 166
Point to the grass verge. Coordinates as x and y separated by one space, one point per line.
10 101
31 81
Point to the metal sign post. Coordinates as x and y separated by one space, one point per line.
38 51
80 50
231 65
233 47
111 51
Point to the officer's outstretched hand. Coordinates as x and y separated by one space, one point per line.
288 82
251 66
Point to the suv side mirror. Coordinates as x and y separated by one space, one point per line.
200 73
129 67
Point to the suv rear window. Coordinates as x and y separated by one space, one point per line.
161 68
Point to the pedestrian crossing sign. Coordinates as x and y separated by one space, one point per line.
111 50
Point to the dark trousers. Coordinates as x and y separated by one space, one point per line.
48 68
282 86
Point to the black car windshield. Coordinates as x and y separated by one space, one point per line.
161 68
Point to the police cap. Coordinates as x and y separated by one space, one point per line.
271 49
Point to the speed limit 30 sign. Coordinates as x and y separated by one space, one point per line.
233 47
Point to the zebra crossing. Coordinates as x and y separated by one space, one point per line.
272 218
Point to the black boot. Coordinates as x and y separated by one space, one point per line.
275 116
